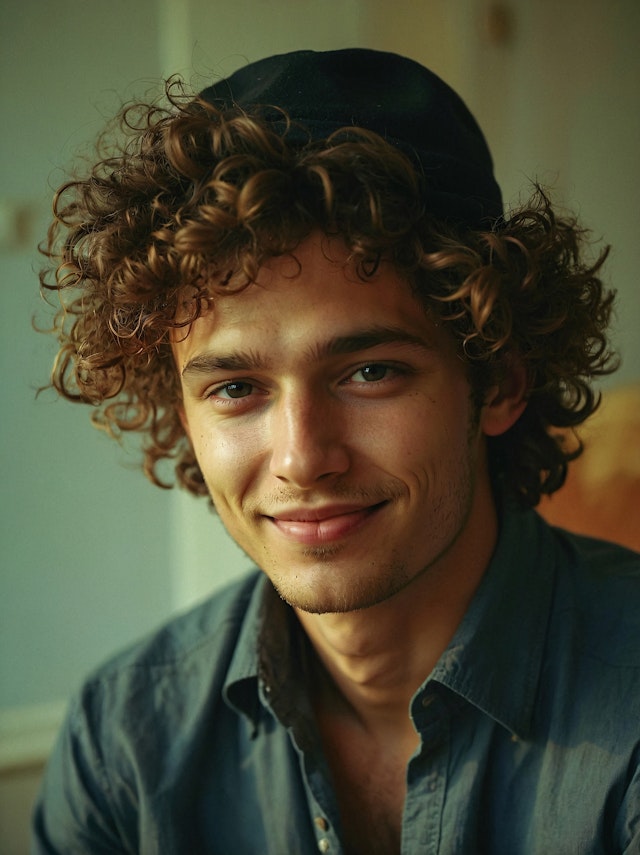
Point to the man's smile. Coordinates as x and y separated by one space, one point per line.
314 526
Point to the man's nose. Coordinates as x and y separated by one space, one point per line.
308 441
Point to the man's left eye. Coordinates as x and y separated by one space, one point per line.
370 373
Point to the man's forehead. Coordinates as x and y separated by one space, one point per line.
308 298
227 277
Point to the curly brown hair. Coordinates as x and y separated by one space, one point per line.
185 194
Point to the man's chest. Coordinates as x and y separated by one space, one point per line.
369 780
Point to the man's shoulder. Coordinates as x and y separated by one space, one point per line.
137 722
595 565
598 591
203 637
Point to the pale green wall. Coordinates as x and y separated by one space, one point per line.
91 555
84 541
561 103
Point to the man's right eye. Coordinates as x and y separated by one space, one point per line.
237 389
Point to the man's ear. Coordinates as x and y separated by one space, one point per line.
506 401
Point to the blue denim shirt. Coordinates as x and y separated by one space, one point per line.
201 740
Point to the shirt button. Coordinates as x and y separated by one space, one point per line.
321 823
323 844
427 701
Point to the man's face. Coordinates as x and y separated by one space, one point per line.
332 421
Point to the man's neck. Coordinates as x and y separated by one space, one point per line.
373 660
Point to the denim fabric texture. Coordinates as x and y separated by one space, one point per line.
201 739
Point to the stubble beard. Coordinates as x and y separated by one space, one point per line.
319 596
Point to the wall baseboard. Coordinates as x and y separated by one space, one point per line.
27 734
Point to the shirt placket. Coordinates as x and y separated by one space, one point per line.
426 776
320 800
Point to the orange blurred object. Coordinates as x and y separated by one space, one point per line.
601 496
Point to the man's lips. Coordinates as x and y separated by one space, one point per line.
315 526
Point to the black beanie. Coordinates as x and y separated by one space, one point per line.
408 105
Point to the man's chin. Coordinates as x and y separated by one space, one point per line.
339 599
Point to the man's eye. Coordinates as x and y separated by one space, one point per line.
238 389
371 373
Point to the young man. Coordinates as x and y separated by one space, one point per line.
302 287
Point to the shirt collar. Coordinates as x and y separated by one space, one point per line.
495 657
493 661
269 663
240 686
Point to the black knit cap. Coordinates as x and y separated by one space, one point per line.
405 103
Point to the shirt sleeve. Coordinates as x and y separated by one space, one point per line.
72 815
628 822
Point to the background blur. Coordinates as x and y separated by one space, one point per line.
92 555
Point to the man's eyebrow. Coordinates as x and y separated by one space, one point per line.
354 342
210 361
365 340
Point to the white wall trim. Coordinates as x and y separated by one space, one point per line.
204 556
27 734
